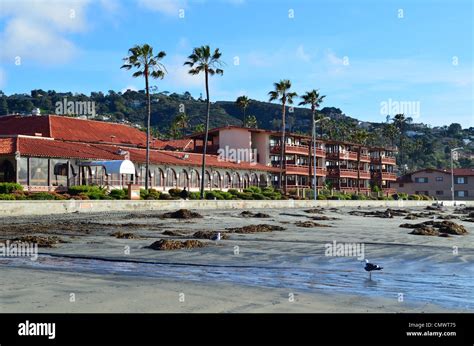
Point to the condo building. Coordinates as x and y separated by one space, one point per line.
50 152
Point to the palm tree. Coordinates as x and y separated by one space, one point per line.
148 65
400 122
181 122
283 94
314 99
252 121
360 136
243 102
202 60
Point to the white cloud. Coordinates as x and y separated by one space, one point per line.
35 30
301 54
129 87
178 75
168 7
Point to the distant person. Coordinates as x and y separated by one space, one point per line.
184 194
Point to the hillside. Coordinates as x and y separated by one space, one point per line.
423 146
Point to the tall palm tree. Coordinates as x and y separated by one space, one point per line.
283 94
202 60
252 121
400 121
314 99
148 65
182 122
243 102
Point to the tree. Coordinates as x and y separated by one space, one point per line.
391 132
251 122
3 106
243 102
454 129
199 128
202 60
313 99
282 93
181 123
400 121
148 65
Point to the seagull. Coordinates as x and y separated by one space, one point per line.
370 266
216 237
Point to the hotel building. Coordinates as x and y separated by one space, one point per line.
50 152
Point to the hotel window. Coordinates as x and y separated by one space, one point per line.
421 180
439 193
439 178
461 180
460 193
60 168
39 171
22 165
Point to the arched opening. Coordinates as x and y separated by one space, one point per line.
7 172
235 180
183 179
170 179
263 180
194 179
207 180
158 178
216 180
227 181
245 181
253 179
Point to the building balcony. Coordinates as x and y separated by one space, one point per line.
364 158
387 160
304 170
347 155
342 173
385 176
364 174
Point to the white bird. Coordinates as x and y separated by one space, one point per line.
370 267
216 237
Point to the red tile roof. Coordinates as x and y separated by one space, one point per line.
41 147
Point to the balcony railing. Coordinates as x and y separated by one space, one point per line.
387 160
364 158
389 176
347 155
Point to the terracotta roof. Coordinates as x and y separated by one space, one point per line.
464 171
41 147
15 124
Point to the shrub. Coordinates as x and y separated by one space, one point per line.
194 195
253 189
322 197
83 196
213 195
258 196
358 197
400 196
153 194
96 195
7 197
76 190
414 197
375 188
42 196
165 196
233 191
118 194
175 192
10 188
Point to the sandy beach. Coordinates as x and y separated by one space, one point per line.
286 270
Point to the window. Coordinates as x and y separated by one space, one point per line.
439 193
460 193
421 180
439 178
461 180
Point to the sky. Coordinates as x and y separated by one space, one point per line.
371 58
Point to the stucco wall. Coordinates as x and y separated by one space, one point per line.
235 139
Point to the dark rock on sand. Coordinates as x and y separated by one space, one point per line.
122 235
168 244
47 242
172 233
181 214
256 228
209 235
309 224
448 227
247 213
425 231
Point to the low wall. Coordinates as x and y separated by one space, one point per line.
14 208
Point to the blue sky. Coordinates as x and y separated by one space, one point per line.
357 53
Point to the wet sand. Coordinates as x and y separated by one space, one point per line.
248 272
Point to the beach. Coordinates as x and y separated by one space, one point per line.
293 268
